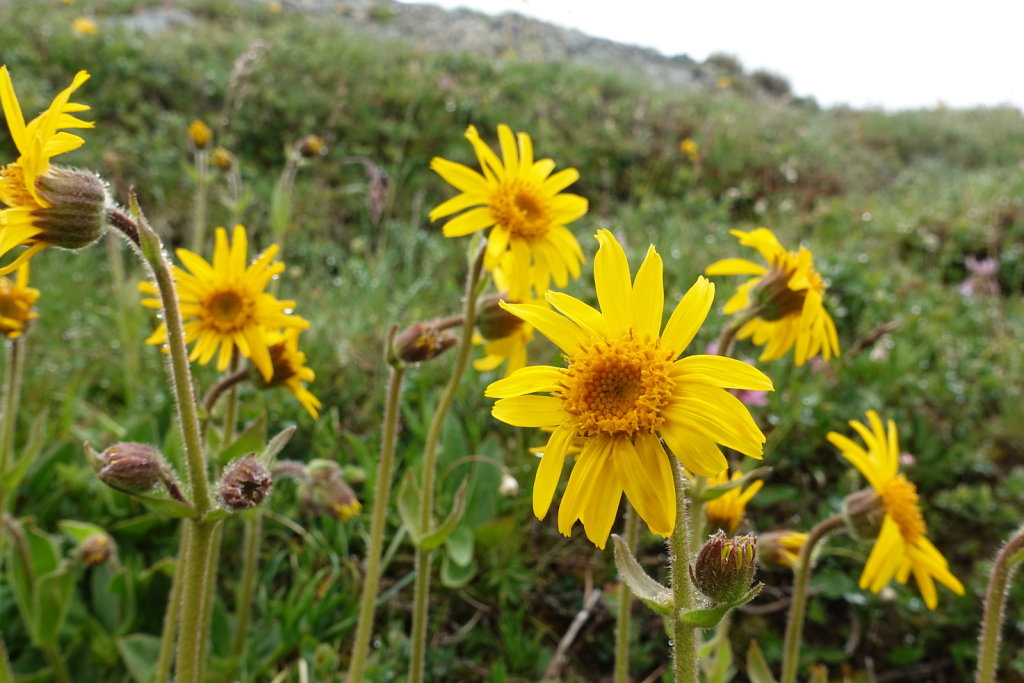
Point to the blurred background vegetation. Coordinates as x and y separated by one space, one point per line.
894 205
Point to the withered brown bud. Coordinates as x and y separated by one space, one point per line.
131 467
245 484
311 146
77 213
326 491
725 567
493 321
864 512
95 550
421 342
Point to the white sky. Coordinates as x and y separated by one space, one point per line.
890 53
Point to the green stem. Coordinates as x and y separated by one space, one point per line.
696 502
13 366
430 452
798 606
199 203
728 337
6 673
60 670
1007 561
684 635
212 562
381 496
231 411
191 635
173 610
632 524
253 535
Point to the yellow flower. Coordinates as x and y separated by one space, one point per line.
622 390
690 148
902 546
504 336
16 301
786 297
524 205
200 134
781 548
37 142
84 26
726 512
290 368
224 305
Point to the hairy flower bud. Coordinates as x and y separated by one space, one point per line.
864 512
725 567
421 342
95 550
131 467
77 215
493 321
245 484
311 146
326 490
200 134
509 486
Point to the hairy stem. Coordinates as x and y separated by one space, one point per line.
632 524
684 635
423 557
798 606
253 535
199 202
1007 562
192 633
172 611
14 352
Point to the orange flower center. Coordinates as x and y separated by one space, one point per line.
520 207
227 311
12 187
900 499
618 387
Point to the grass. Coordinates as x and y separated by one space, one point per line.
891 204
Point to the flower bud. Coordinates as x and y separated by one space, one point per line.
245 484
493 321
421 342
222 159
131 467
95 550
781 548
509 486
200 134
326 491
311 146
864 512
77 215
725 567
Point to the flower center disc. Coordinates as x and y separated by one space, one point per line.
227 311
618 387
521 208
900 499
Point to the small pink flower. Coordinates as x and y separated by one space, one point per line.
982 277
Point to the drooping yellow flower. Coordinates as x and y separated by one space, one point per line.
290 369
787 296
524 205
726 512
16 301
224 305
781 548
625 386
902 546
37 141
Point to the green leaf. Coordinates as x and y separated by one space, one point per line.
496 531
79 531
165 507
251 440
437 536
652 593
275 446
139 652
706 618
31 450
50 604
717 490
409 505
757 668
454 576
720 666
460 546
215 514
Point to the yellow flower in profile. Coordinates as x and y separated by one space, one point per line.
523 203
37 141
785 299
726 512
781 548
16 301
902 547
224 305
625 386
200 134
504 336
84 26
290 369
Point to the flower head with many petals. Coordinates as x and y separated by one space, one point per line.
224 305
16 301
625 389
902 546
523 203
290 369
37 141
786 297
